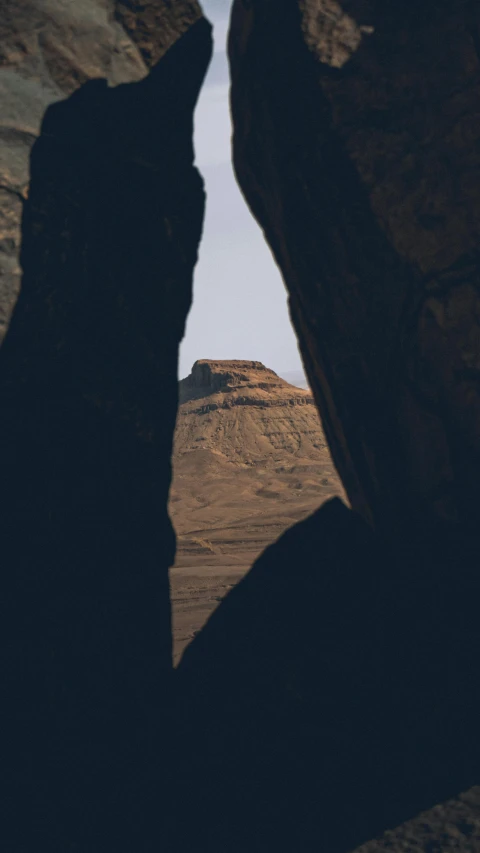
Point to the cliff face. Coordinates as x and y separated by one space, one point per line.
111 225
356 146
210 375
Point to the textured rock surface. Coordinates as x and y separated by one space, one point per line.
227 384
356 145
88 389
451 826
155 26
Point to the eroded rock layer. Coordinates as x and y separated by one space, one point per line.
237 383
88 387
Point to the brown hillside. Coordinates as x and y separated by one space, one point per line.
244 413
250 459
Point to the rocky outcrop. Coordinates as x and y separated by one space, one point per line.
211 375
111 224
356 146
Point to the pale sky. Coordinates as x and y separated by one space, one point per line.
239 307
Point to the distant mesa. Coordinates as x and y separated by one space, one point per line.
246 414
217 384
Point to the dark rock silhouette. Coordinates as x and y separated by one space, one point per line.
332 695
356 146
335 692
89 395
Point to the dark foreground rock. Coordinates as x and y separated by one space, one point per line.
356 145
88 389
333 695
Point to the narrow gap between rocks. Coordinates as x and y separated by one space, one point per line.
242 473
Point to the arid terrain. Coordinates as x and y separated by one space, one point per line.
250 459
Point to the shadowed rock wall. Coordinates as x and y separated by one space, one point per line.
333 695
356 146
88 382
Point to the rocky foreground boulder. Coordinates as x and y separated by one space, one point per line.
356 146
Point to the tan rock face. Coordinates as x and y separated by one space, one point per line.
246 415
356 145
231 383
